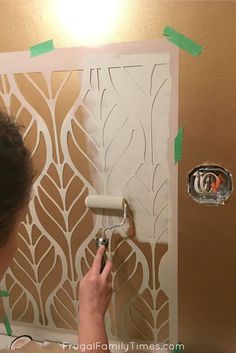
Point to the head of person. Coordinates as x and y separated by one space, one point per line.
16 177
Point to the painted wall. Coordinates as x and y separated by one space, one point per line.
207 245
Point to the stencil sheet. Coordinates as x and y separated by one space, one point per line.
97 121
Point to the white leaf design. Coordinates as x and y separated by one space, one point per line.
147 190
35 274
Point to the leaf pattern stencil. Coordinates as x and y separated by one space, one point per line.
36 270
96 124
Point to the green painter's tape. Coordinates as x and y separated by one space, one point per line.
178 145
4 293
183 42
7 326
42 48
178 349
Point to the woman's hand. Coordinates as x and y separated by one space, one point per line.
95 289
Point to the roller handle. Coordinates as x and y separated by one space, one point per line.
99 242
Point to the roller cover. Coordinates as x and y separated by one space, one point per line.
109 202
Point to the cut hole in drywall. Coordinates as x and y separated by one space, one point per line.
210 184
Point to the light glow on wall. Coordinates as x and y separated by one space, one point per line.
90 21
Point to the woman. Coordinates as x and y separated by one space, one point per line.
16 177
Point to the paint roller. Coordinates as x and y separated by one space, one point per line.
107 202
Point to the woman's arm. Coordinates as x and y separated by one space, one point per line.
95 291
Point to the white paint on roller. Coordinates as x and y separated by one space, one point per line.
105 202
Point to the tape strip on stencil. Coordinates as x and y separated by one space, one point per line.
182 42
7 326
178 348
4 293
42 48
179 145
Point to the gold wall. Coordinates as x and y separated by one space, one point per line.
207 239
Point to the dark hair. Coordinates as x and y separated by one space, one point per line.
16 175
